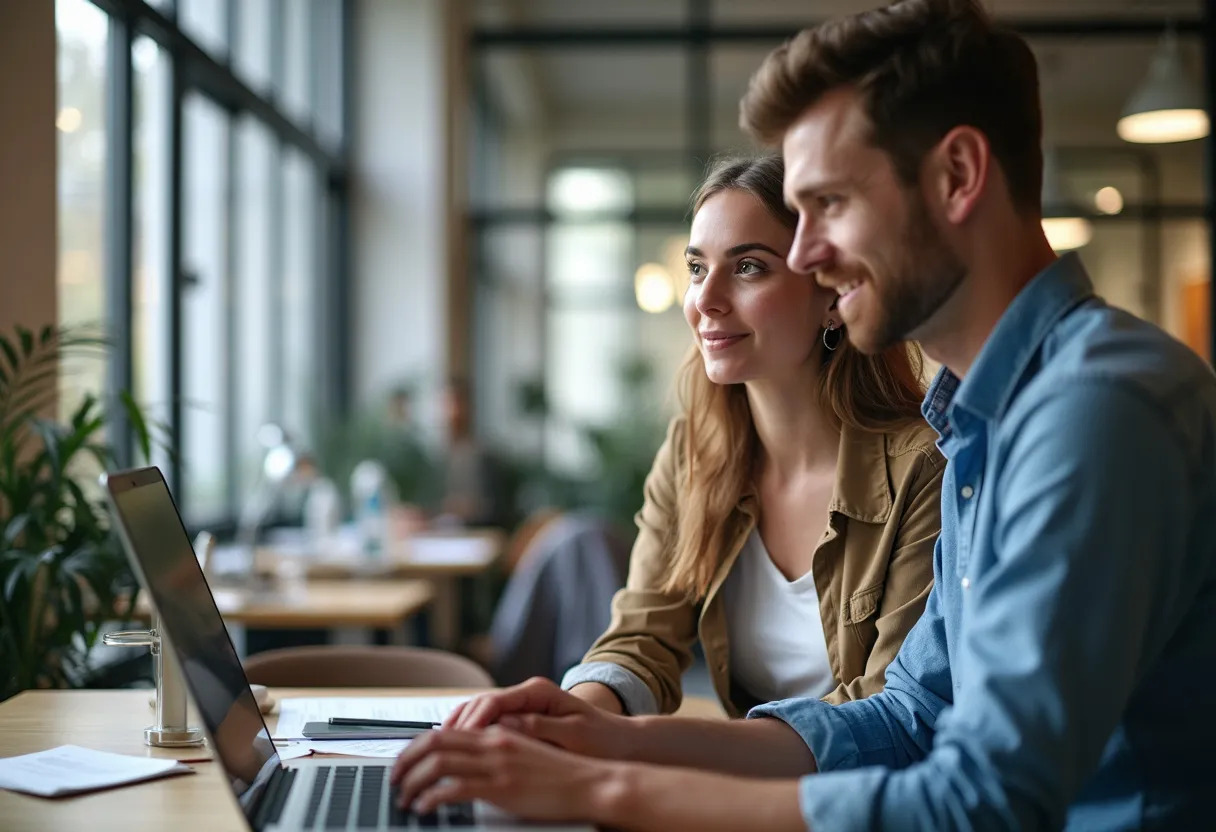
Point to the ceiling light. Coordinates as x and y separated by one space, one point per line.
1067 233
1108 200
1167 106
1063 232
652 286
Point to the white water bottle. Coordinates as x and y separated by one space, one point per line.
322 511
368 487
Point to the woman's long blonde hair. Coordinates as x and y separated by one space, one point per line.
868 392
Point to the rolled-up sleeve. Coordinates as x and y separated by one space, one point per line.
1083 584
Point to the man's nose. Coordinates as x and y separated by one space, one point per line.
809 252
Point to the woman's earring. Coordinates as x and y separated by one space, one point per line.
832 336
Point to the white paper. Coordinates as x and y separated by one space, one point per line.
295 713
449 550
291 750
70 769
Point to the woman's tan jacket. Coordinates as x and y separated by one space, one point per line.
873 570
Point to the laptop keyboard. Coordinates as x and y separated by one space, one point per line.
359 799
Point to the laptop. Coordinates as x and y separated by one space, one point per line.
350 794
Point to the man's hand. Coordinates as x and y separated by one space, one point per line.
520 775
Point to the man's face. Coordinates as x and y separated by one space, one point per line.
860 230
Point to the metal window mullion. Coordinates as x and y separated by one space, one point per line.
119 254
176 283
337 179
231 413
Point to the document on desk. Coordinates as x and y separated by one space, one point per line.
295 713
70 769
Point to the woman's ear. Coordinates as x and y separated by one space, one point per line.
831 317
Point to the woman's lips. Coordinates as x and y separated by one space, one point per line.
721 342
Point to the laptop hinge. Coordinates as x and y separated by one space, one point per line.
265 799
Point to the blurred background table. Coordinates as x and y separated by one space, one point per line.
340 605
443 558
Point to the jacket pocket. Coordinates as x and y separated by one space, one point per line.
860 612
862 605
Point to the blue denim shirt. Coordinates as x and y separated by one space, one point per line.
1064 672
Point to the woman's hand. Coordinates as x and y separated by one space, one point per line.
540 709
520 775
535 696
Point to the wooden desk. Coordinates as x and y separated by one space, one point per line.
339 605
362 603
439 557
114 721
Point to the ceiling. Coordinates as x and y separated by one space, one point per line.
758 12
1085 80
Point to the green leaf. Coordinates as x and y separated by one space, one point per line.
10 353
14 529
27 340
138 424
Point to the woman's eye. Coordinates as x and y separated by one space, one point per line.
749 267
695 270
825 201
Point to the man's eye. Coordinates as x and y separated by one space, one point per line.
827 200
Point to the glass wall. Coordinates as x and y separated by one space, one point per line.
220 180
83 72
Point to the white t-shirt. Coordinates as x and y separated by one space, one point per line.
777 647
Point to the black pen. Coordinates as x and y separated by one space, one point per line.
382 723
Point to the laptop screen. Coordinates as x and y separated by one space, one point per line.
159 549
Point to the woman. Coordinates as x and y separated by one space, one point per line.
789 523
790 517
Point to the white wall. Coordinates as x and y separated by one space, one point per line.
398 197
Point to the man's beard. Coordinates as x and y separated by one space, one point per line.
927 275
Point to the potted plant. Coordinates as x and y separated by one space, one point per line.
63 573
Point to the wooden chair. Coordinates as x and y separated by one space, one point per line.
340 666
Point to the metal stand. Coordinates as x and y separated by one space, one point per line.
171 728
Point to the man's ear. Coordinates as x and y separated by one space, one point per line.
958 169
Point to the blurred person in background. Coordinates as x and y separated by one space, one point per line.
472 495
790 516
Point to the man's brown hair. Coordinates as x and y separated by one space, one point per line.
922 68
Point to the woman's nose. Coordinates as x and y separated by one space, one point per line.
713 296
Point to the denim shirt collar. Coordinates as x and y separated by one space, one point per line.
1018 335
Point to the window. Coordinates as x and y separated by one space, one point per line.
225 177
81 121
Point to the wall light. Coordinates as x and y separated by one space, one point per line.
1108 200
652 286
1167 106
69 120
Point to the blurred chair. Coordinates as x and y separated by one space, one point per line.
558 599
521 540
341 666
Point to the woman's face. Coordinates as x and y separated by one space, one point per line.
751 317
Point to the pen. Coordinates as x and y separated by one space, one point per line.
382 723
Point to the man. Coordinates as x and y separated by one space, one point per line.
1062 673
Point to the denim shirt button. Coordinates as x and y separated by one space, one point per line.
967 491
966 582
